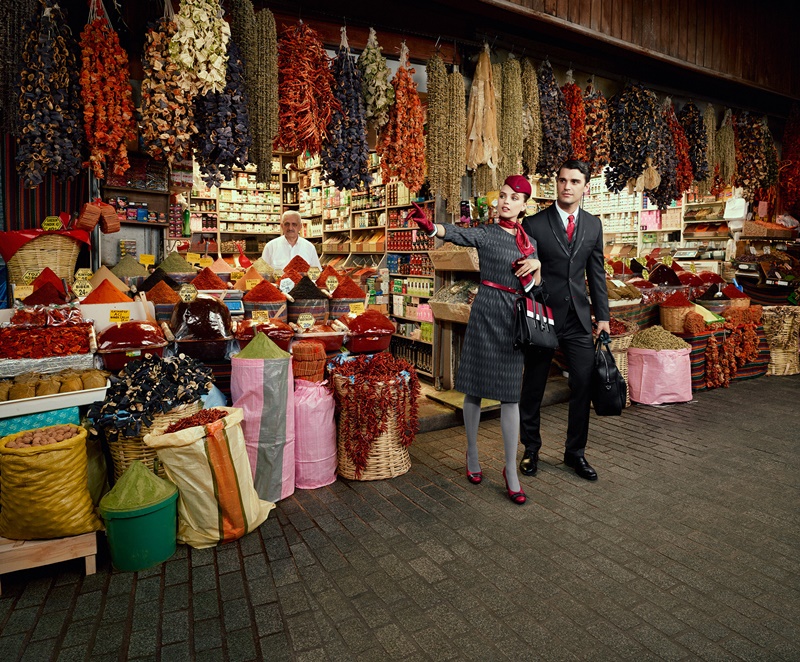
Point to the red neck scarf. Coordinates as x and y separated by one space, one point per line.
525 247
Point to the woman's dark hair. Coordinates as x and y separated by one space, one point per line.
525 208
575 164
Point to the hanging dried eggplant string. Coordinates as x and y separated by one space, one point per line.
770 156
693 128
710 131
661 149
345 152
750 161
305 85
511 136
14 34
531 118
50 119
242 20
223 131
684 173
556 142
264 127
402 143
597 129
726 149
437 142
573 100
457 141
375 76
200 45
483 145
790 163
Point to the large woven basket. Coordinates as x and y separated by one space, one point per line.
672 318
388 457
783 362
56 251
126 450
621 342
621 359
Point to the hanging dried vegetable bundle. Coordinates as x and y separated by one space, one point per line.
726 149
684 172
597 129
108 111
402 144
770 156
437 142
710 131
223 132
661 150
305 85
200 45
49 121
556 142
345 153
790 164
751 165
511 129
483 145
375 76
693 128
264 125
167 117
457 142
13 36
242 21
576 110
531 118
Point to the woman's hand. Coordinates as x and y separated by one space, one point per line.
419 216
529 266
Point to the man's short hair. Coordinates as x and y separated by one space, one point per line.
291 215
576 164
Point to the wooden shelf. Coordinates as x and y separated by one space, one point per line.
424 342
145 224
134 190
412 276
425 251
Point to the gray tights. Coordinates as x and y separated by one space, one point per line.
509 424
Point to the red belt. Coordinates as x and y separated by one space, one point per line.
497 286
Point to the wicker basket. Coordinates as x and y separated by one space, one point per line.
672 318
784 362
126 450
621 359
56 251
388 457
621 342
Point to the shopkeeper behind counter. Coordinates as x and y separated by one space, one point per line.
279 252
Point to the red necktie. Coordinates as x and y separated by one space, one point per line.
570 227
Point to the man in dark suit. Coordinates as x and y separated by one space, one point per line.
570 248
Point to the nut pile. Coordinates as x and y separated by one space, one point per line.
44 436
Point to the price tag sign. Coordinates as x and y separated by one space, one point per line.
29 276
693 268
609 269
646 274
52 223
146 259
83 274
22 291
286 285
250 283
193 258
206 261
667 260
236 275
313 273
261 316
82 288
357 308
305 321
119 316
187 293
618 283
331 283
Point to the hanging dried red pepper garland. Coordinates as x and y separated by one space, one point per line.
108 111
693 126
790 164
305 86
683 174
402 143
556 142
597 129
573 98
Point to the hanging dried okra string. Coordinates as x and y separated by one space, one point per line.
511 136
531 117
437 139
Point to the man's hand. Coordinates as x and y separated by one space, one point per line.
419 216
604 326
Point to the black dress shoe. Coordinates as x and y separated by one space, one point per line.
529 464
581 466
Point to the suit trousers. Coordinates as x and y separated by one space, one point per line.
578 348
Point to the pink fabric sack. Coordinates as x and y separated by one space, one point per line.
315 444
656 377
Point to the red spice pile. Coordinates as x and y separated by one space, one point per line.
48 276
43 342
208 280
106 293
297 263
291 273
732 292
677 300
617 327
688 278
694 324
162 293
711 277
44 295
347 289
203 417
264 292
371 322
327 272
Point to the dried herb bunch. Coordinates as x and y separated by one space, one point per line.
684 172
531 117
457 142
167 107
556 142
573 98
710 130
223 131
483 145
770 156
751 166
661 149
375 75
437 143
726 149
511 129
49 117
402 144
790 164
695 131
345 152
264 126
497 78
200 45
14 32
597 129
305 85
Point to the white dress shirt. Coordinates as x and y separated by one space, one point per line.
279 252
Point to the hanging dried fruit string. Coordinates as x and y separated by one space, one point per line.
573 99
483 145
200 45
556 142
50 120
223 131
790 164
512 134
108 111
693 128
683 173
305 85
242 21
751 166
457 143
531 117
13 37
726 149
597 128
167 108
375 75
345 153
437 139
661 149
710 132
402 143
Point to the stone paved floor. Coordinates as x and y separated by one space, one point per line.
686 548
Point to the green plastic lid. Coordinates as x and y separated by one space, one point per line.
137 488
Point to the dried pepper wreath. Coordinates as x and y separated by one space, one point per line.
790 164
108 111
375 75
200 45
345 153
305 85
437 140
556 141
576 110
531 118
49 121
684 171
695 131
14 32
402 143
597 129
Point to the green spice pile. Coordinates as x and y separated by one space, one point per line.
261 347
175 264
137 488
129 267
657 338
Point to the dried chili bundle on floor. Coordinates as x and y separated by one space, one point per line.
693 126
345 153
597 129
684 171
573 98
437 139
790 165
531 117
108 111
200 45
14 32
223 131
375 75
402 143
305 86
49 119
556 142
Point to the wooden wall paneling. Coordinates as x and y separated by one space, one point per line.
717 32
551 7
575 11
594 20
585 17
537 5
691 33
648 32
617 14
671 27
626 18
686 27
562 9
708 44
636 22
605 17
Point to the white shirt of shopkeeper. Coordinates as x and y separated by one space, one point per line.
279 252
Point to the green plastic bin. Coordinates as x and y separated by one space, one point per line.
142 537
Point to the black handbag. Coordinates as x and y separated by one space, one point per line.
609 390
534 326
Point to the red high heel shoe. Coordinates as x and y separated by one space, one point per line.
473 478
517 497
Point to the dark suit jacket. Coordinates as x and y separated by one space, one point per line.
566 270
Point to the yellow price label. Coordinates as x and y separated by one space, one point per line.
313 273
147 259
250 283
357 308
83 274
667 260
82 288
646 274
118 316
609 269
193 258
305 321
286 285
693 268
206 261
331 283
236 275
22 291
52 223
31 275
187 293
261 316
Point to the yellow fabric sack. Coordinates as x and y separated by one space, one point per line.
45 490
209 464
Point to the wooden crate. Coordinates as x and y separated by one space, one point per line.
455 260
